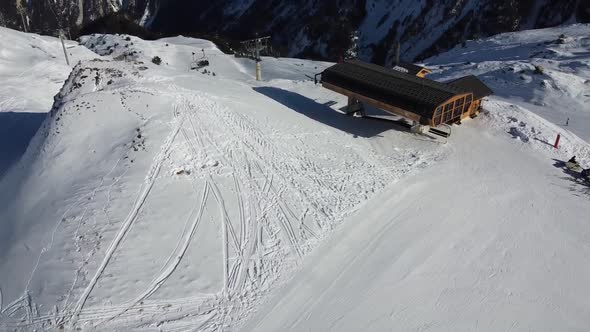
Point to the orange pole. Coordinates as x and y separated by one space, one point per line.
556 145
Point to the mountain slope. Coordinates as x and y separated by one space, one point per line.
546 71
494 237
32 69
47 16
317 29
155 197
324 28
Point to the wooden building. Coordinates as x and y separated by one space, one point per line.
475 86
418 99
412 69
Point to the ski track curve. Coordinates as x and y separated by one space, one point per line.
100 232
262 173
174 259
132 216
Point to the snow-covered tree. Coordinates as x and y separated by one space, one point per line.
353 48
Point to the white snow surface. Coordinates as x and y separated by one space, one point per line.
32 70
495 237
158 198
507 63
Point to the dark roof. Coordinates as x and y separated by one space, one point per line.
409 68
412 93
472 84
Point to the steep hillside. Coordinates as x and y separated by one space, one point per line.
316 29
46 16
324 28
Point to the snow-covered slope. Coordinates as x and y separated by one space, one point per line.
546 71
163 198
32 69
158 197
493 238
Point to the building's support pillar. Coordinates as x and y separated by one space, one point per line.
354 106
258 71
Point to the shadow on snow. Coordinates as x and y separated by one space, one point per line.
359 127
579 186
16 131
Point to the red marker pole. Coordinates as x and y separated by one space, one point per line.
556 145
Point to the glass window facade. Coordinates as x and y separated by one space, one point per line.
452 111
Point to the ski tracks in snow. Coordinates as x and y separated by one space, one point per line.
277 195
128 222
175 258
256 154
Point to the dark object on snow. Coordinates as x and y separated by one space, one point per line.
439 132
573 160
585 173
199 64
156 60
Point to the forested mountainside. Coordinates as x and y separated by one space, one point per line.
314 28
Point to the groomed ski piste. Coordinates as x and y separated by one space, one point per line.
159 198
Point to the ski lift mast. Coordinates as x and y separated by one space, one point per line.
23 14
255 46
63 45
